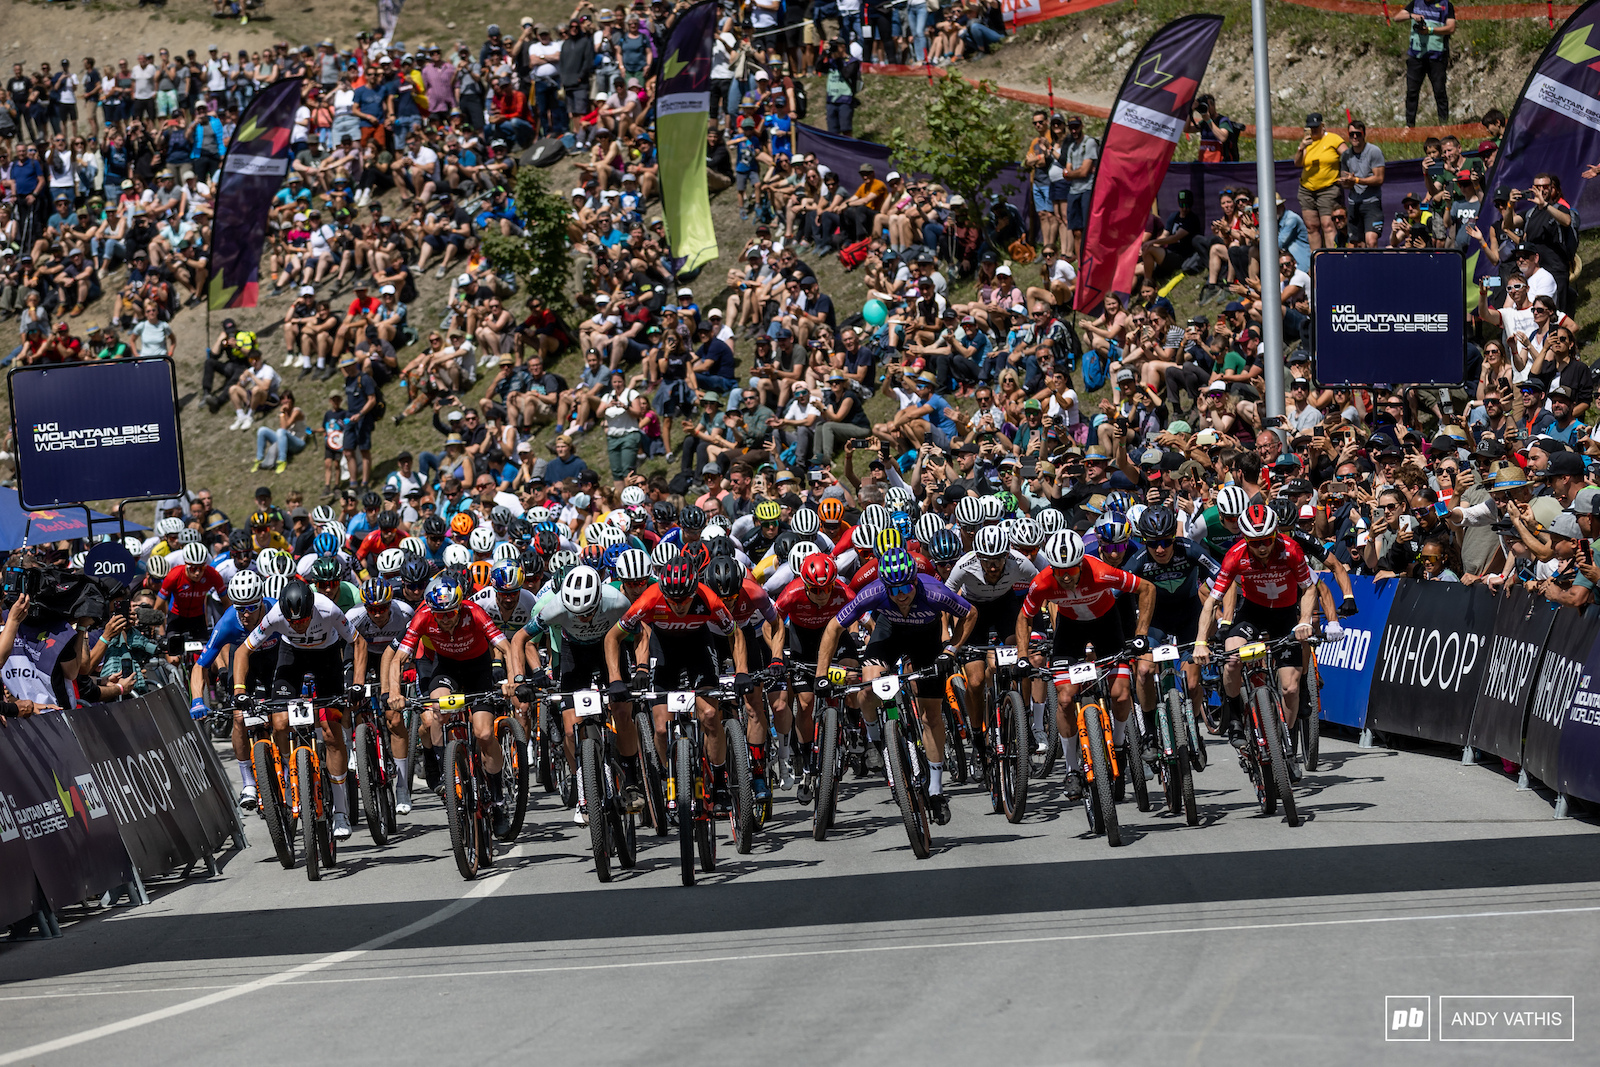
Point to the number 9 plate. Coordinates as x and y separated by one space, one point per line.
586 703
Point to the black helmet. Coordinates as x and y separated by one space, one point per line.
784 542
665 513
417 572
1286 510
722 547
388 520
371 501
725 576
297 601
325 569
521 531
546 541
433 526
532 563
1158 523
692 518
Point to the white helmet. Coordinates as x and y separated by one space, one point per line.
632 495
244 588
875 517
133 545
195 555
414 545
580 591
1051 520
713 531
991 508
927 526
538 515
158 566
605 535
188 536
805 522
1258 520
992 541
456 554
321 515
1025 531
663 554
482 540
862 538
273 585
632 565
898 498
1134 514
620 518
1231 501
505 550
168 526
337 528
798 554
390 560
77 560
1064 549
969 512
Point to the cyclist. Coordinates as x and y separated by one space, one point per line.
908 609
504 599
768 527
631 573
326 543
184 589
691 520
830 514
751 608
327 575
685 618
389 534
1175 566
380 622
1222 519
888 541
944 550
247 605
994 579
1279 595
464 641
312 634
804 609
1084 590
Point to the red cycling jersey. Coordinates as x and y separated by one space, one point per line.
1275 583
752 599
706 610
803 612
377 541
187 599
1094 593
867 573
474 635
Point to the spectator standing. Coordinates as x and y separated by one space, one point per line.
1318 157
577 61
1361 167
1079 154
1433 22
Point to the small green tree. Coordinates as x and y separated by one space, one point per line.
966 141
540 258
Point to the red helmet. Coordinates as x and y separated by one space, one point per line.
697 554
818 571
1258 522
678 579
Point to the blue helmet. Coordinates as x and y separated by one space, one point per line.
896 567
325 543
945 547
608 559
506 576
1113 529
901 521
377 591
443 594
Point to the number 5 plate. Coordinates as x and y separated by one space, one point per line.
1081 673
681 703
1165 653
887 687
586 703
1005 657
301 713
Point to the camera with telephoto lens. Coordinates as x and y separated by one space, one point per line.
20 581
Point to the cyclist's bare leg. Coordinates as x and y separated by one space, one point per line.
627 734
710 717
488 745
659 719
569 740
932 715
1289 687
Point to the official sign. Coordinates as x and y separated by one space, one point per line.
1521 628
1346 668
1561 672
1389 315
96 431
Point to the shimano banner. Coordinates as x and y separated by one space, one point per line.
1521 627
96 431
1432 660
1388 315
1561 671
1346 668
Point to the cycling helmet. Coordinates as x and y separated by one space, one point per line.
819 571
169 526
901 521
188 536
325 569
608 559
692 518
1051 520
875 517
991 508
540 514
1231 501
521 531
376 592
195 555
1008 501
621 518
499 517
244 588
322 513
722 546
532 567
1157 524
898 498
1113 529
712 532
896 567
969 512
443 594
546 541
663 554
805 522
697 555
678 579
456 555
830 510
928 527
631 565
861 538
592 555
1026 533
945 547
324 543
416 572
273 585
725 577
632 495
462 523
580 590
506 576
1064 548
298 601
1120 500
280 562
561 561
605 535
664 512
433 526
890 538
482 540
371 501
388 520
158 566
338 529
1258 522
505 550
390 560
245 339
992 541
801 551
259 520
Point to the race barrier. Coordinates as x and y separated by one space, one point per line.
1346 667
97 799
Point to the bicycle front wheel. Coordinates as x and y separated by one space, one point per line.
1272 729
594 795
366 747
1018 761
650 775
740 788
413 748
683 763
912 813
514 772
1310 722
460 808
1099 793
269 787
827 796
1135 770
1052 730
311 822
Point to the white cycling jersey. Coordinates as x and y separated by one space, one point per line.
554 617
526 601
327 627
966 578
388 635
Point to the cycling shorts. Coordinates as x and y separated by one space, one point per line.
804 645
756 651
193 626
324 665
685 663
1072 636
919 644
582 666
1253 622
475 675
997 617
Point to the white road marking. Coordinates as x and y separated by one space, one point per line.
478 891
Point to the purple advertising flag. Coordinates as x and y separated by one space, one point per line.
252 171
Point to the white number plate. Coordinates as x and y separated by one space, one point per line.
255 720
1165 653
302 713
1081 673
1005 657
193 648
586 703
887 687
680 703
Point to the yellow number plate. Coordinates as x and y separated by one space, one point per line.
1251 652
838 675
452 702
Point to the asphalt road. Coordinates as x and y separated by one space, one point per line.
1241 940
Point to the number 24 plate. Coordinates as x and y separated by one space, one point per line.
1081 673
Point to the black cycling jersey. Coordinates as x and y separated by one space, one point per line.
1177 582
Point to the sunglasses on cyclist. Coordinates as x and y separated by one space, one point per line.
900 590
1164 542
1113 546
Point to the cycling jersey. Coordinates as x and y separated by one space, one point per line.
326 627
967 578
474 633
389 633
1177 582
230 631
347 564
932 599
520 614
801 611
186 597
552 617
868 571
377 541
752 600
1218 537
1090 597
1317 553
1275 583
706 611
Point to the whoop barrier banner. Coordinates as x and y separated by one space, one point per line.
1346 668
253 169
1432 660
1151 111
1578 766
1566 656
683 104
96 431
1521 627
1385 315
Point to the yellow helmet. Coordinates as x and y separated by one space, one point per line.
768 511
888 539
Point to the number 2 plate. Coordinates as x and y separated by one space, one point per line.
1165 653
886 688
301 713
586 703
1005 657
1081 673
681 703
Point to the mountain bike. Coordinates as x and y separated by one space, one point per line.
1308 727
689 776
1178 734
1008 759
467 805
904 760
840 740
1264 757
310 786
1099 753
267 763
375 768
612 829
512 737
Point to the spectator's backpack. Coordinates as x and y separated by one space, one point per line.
1230 143
1094 371
852 256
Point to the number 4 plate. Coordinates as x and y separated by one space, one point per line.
1164 653
887 687
681 703
1081 673
586 703
301 713
1005 657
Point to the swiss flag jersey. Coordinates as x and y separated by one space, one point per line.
1275 583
